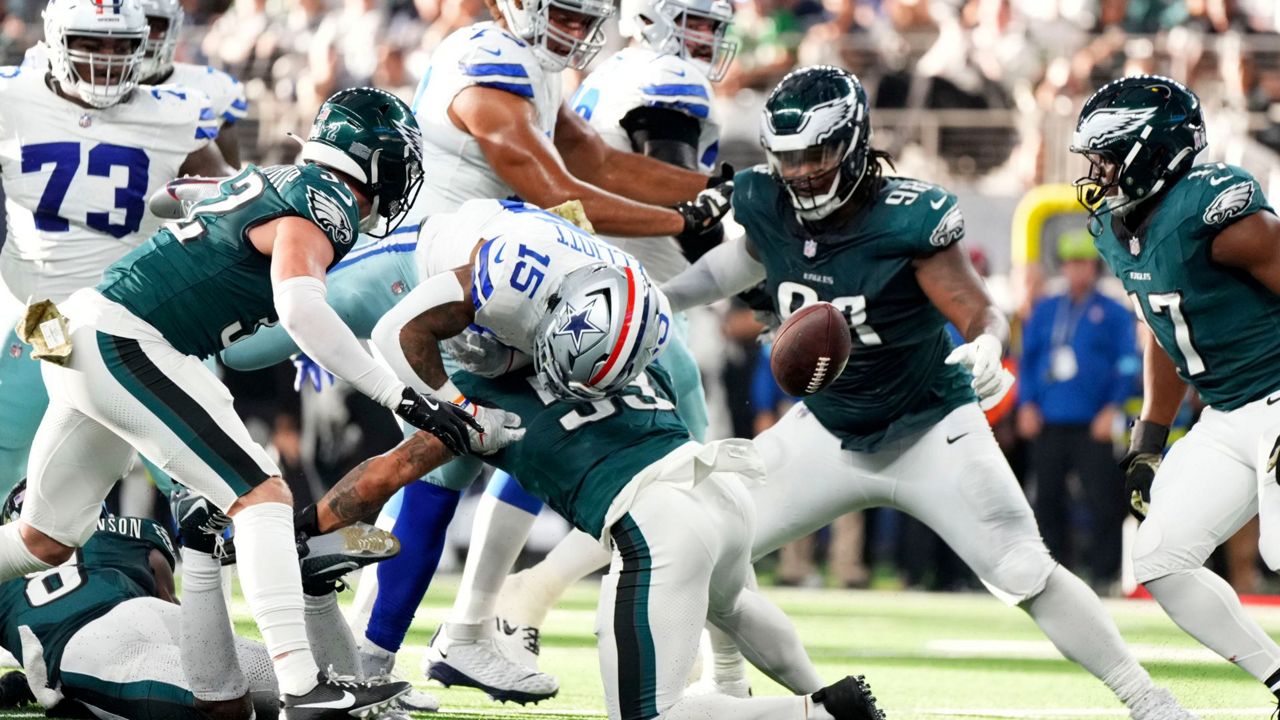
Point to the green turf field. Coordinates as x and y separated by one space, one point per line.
926 655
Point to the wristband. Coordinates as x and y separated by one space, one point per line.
1148 437
450 393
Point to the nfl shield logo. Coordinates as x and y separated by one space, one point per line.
810 248
86 120
398 287
1134 246
15 350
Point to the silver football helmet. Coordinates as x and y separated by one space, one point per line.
158 60
556 48
604 326
110 77
664 25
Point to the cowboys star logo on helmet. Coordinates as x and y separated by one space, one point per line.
1110 123
1229 203
578 323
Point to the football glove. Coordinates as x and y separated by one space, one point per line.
483 354
449 423
982 358
725 175
499 429
1146 448
702 215
310 373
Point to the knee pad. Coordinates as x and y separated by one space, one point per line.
1269 547
1155 555
1021 573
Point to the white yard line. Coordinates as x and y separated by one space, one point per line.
1044 650
1080 712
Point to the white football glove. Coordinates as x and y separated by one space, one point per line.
982 358
483 354
176 198
501 428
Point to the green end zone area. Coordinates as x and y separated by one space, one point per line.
927 657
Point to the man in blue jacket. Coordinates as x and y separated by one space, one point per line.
1079 361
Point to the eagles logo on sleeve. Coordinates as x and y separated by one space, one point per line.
1229 203
330 216
950 229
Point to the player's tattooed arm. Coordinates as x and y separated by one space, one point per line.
1252 244
955 288
362 492
420 337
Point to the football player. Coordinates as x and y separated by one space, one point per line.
83 147
655 97
902 426
494 126
124 373
1198 250
93 633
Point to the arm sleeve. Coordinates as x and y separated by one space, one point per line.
436 290
1032 357
320 333
1127 362
726 270
664 134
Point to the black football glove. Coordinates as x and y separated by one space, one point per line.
724 176
1146 448
448 422
702 215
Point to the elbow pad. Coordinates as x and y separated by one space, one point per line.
664 134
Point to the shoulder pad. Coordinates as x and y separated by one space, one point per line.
669 81
232 102
494 58
928 214
1218 195
145 530
319 196
184 105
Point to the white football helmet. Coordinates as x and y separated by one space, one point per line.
663 25
160 51
555 48
111 77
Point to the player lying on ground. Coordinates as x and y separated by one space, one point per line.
901 427
257 252
104 632
84 146
1198 250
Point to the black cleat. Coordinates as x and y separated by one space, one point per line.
14 691
200 523
327 558
341 697
849 699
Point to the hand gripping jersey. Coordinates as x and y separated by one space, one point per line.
112 567
76 180
637 77
200 282
526 254
896 383
226 94
481 55
577 457
1219 325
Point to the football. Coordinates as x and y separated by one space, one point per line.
810 349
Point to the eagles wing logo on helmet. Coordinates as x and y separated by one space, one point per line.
1110 123
330 216
825 119
1229 203
412 137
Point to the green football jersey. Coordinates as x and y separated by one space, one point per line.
200 282
56 603
577 457
896 383
1219 325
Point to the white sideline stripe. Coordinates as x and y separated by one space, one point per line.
1081 712
506 712
1044 650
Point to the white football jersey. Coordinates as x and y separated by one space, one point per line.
483 55
518 269
638 77
76 180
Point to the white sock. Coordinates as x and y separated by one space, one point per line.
1205 606
331 642
499 533
530 594
727 664
719 707
1072 617
15 559
272 584
207 643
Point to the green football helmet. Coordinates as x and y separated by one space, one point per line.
816 131
371 136
1140 135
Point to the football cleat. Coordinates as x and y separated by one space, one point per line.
733 688
338 696
201 525
849 699
379 666
327 558
521 643
1158 703
14 690
480 664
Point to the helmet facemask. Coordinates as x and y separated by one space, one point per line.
161 46
695 30
100 79
541 23
819 178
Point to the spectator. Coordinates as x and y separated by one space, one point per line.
1078 365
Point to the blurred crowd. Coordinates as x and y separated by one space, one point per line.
978 95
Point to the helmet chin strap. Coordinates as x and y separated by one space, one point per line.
370 221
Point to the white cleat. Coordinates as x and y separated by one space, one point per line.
379 666
481 665
707 686
1159 704
521 643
